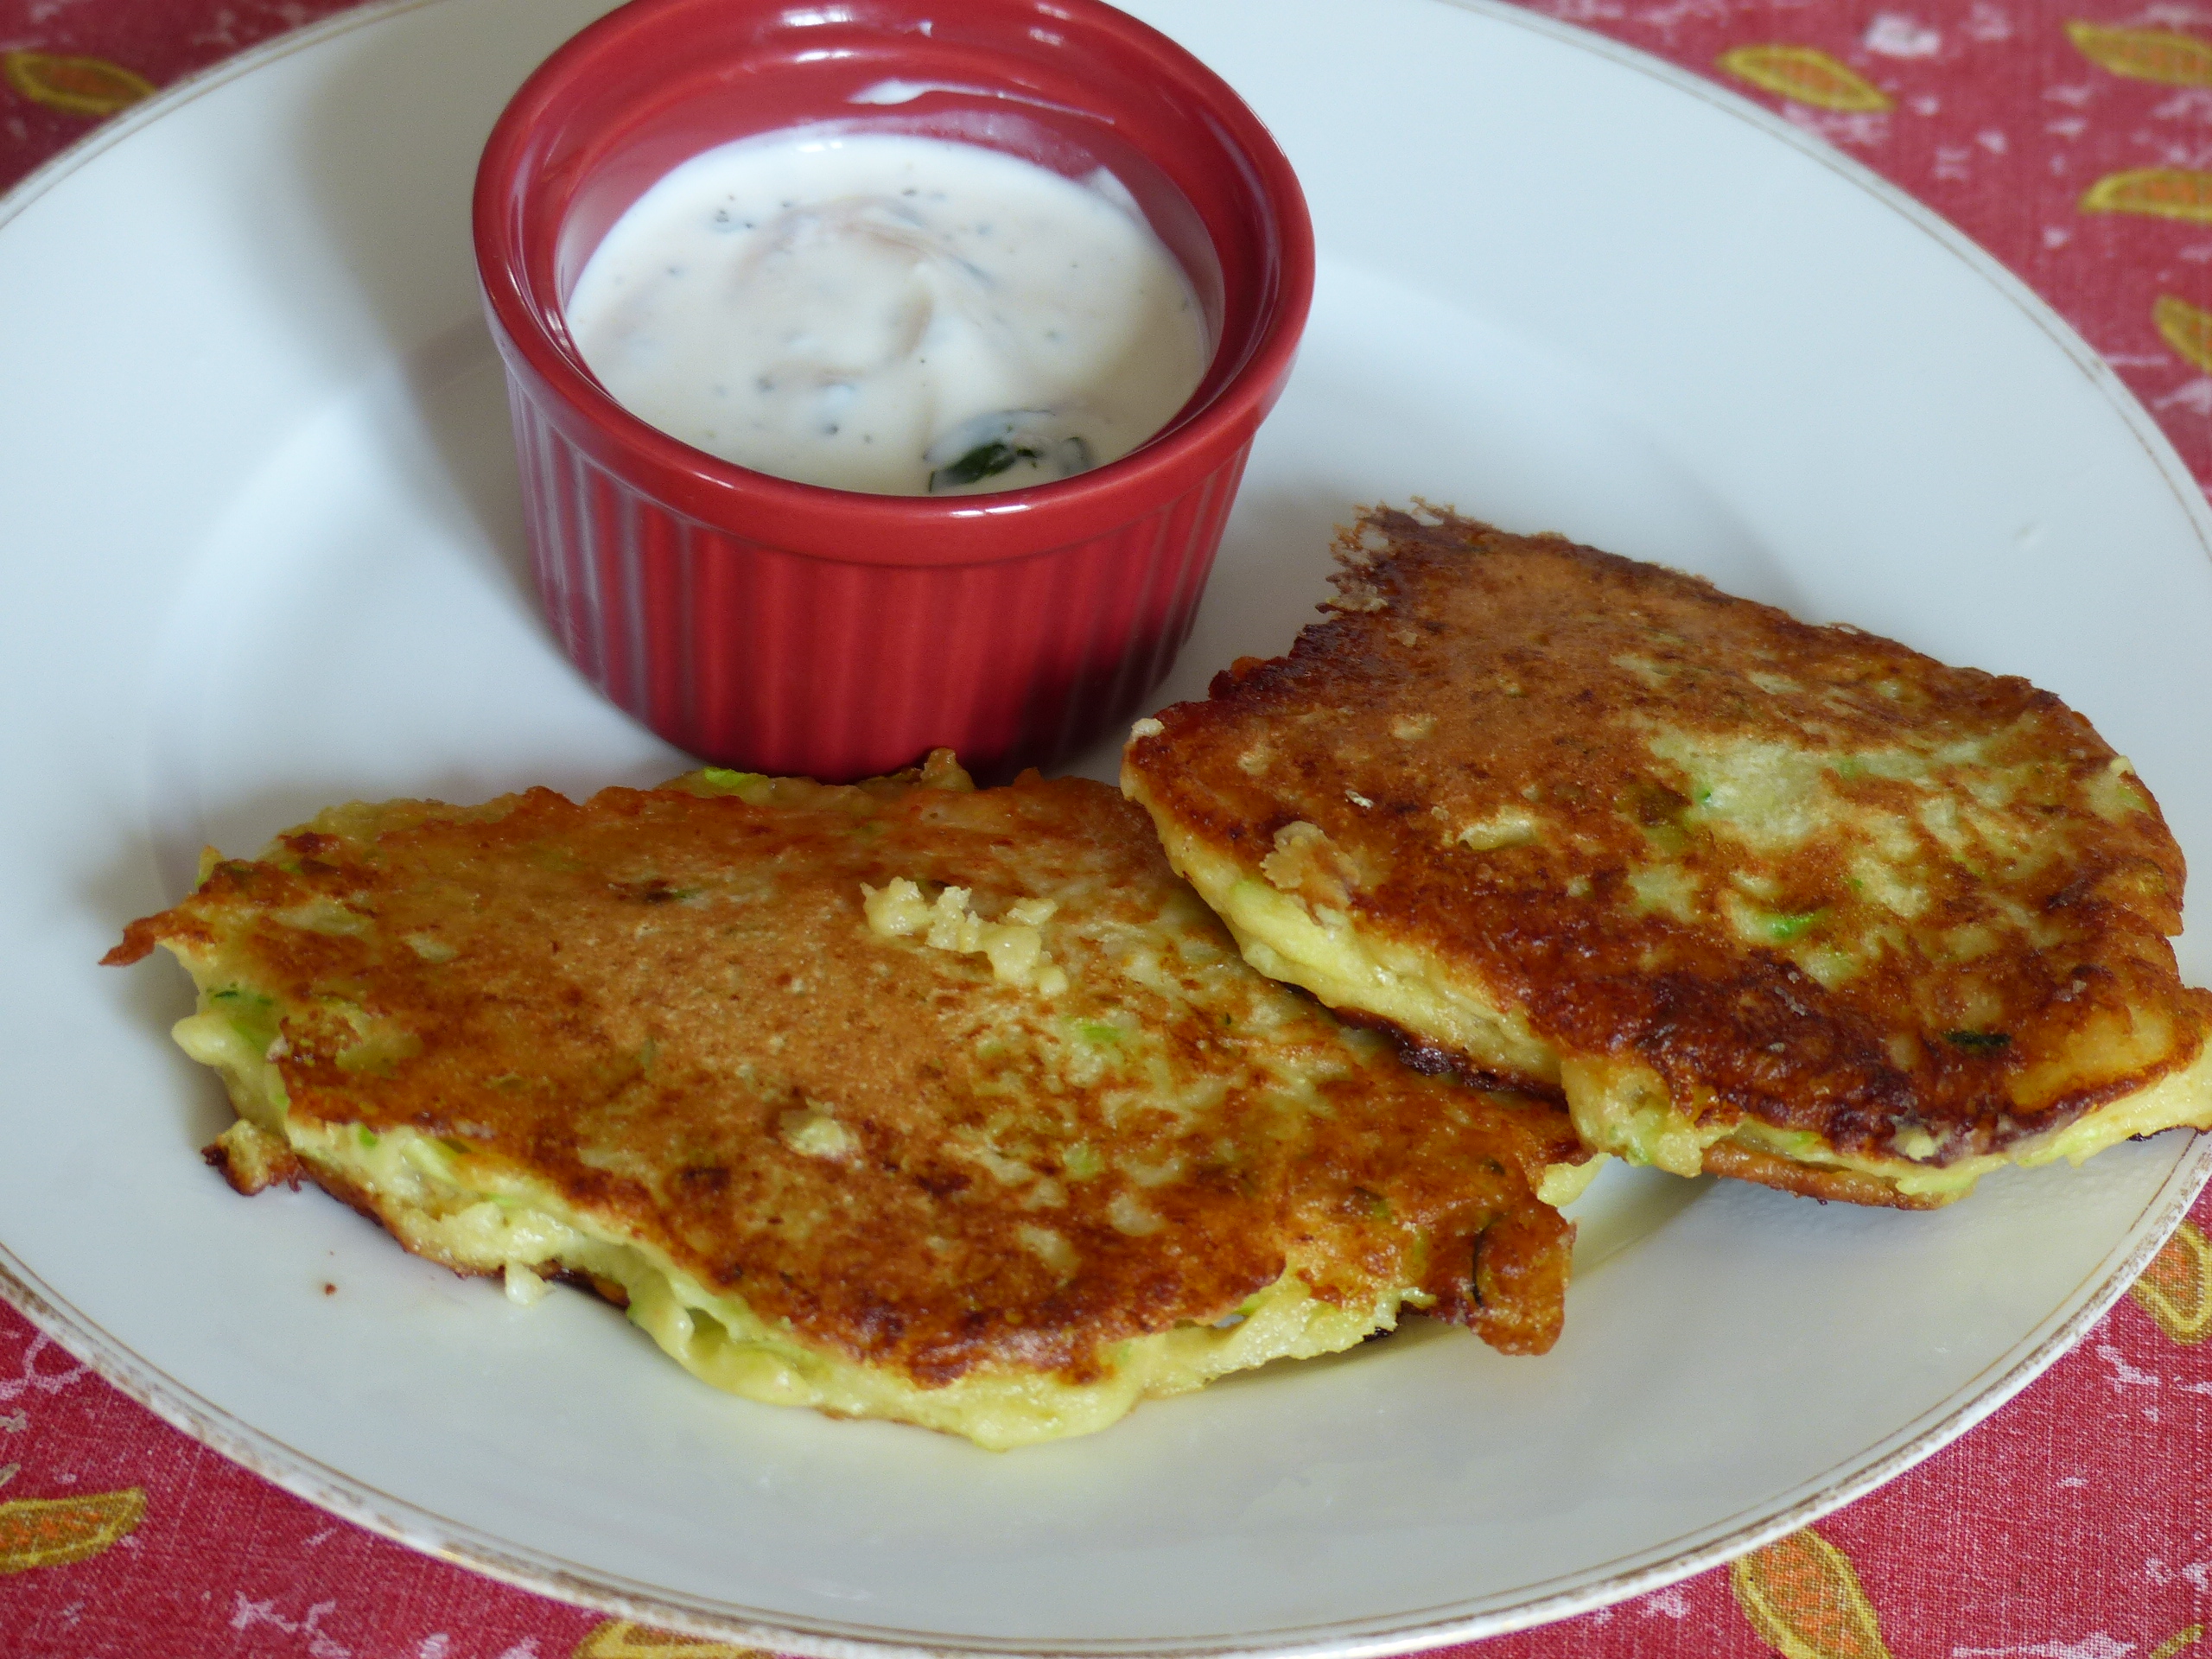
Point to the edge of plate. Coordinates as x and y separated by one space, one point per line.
330 1490
307 1477
2085 357
117 128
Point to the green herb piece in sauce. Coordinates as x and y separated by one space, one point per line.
1984 1042
984 461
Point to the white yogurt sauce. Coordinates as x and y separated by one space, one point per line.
880 312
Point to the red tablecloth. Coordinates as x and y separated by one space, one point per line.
2075 145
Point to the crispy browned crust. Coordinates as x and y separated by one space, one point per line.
1828 1184
251 1160
360 1200
1537 673
363 1202
608 1289
629 999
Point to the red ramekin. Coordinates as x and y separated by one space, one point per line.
785 628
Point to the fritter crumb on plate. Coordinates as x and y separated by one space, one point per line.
899 1099
1791 904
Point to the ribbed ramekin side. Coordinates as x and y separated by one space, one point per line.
1210 507
650 545
605 549
1144 582
715 701
565 585
754 656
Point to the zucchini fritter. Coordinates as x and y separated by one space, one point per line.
1787 903
897 1099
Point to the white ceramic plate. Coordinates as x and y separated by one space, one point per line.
262 553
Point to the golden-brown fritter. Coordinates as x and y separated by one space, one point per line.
899 1099
1791 904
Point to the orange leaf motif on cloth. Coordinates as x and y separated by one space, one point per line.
48 1531
2176 1289
1802 1595
2186 328
1805 75
2162 192
75 85
618 1638
2145 53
